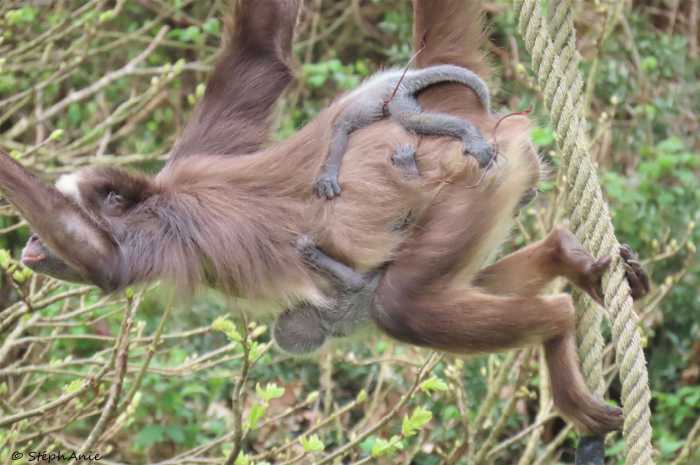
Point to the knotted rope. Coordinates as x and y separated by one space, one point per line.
551 43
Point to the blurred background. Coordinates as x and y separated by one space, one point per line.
85 82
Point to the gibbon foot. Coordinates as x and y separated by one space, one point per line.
579 266
298 330
404 158
326 185
479 149
600 419
636 276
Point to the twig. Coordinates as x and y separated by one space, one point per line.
430 362
120 364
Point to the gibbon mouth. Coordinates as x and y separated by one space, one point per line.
31 258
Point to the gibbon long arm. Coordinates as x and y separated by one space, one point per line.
234 115
64 227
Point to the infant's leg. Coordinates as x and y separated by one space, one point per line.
335 270
408 112
304 328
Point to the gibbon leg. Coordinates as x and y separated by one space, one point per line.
416 303
471 321
527 271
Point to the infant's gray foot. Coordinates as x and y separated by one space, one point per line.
404 158
298 330
307 249
326 185
481 150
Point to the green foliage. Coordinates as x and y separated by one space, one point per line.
382 447
676 412
21 16
433 384
312 444
227 327
413 423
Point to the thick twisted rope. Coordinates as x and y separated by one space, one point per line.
560 21
555 61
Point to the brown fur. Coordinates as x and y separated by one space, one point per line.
249 76
233 221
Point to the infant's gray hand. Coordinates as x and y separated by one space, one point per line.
306 247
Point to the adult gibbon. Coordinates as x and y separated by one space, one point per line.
233 222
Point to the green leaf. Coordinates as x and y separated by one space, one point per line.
316 80
212 26
73 387
21 16
242 459
382 447
670 145
542 136
415 422
194 388
129 293
22 275
254 350
271 391
649 63
190 34
56 135
5 258
74 114
257 411
433 384
312 444
149 435
176 434
226 326
106 16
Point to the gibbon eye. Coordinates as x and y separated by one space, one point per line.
114 199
